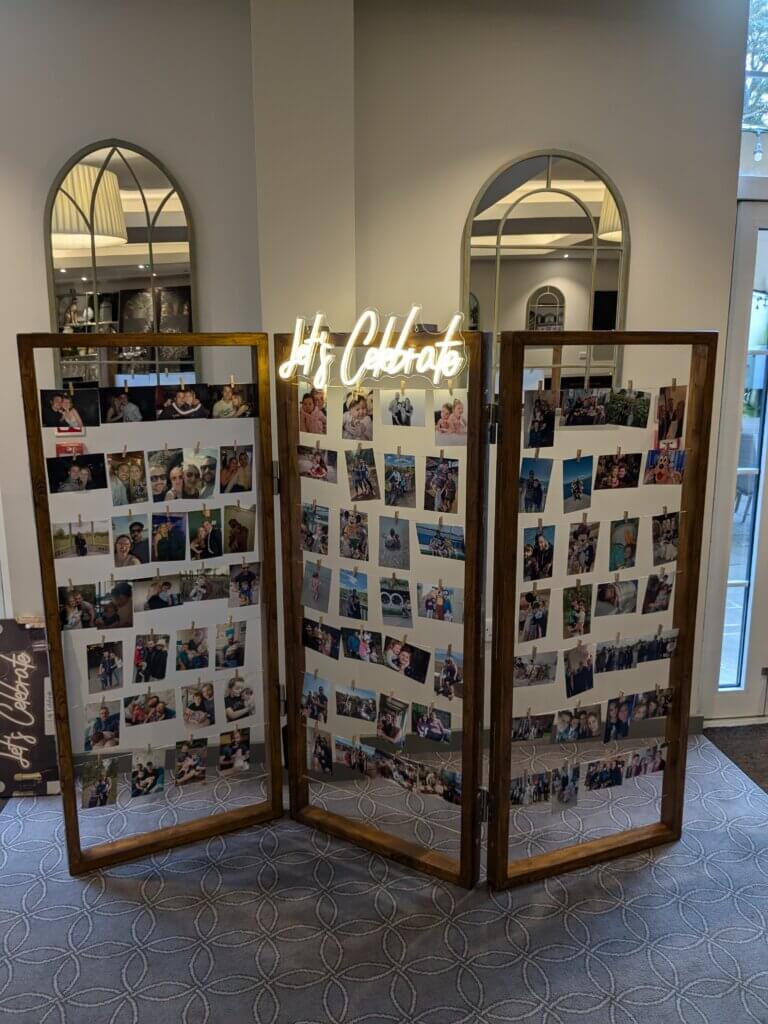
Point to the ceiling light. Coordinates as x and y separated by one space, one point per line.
141 266
62 270
83 278
566 255
79 217
757 153
154 275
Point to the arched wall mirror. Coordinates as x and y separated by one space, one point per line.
546 247
119 261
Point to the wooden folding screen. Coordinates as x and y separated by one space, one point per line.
234 609
313 557
518 519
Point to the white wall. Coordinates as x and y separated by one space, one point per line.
174 77
448 92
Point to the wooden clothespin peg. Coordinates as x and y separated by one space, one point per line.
674 382
578 581
536 452
399 450
440 522
165 447
578 454
71 389
402 385
615 577
79 519
618 638
231 380
158 574
450 386
621 695
125 450
352 684
103 640
659 630
317 446
359 447
197 447
578 705
663 510
449 650
533 653
397 515
440 584
314 674
629 385
534 587
528 713
70 583
151 632
192 624
314 504
167 510
181 383
618 451
626 515
584 518
238 504
442 453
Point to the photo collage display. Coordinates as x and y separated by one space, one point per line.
383 492
599 501
161 615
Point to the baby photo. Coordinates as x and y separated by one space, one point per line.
362 645
577 483
127 405
157 593
395 595
623 549
361 474
403 408
406 659
534 484
582 547
127 478
353 594
533 615
98 780
440 602
604 774
236 475
658 593
313 418
617 471
394 543
234 751
392 719
618 716
565 787
147 772
450 416
232 401
102 730
238 524
104 665
539 419
149 708
80 539
578 724
616 598
431 723
353 535
130 541
628 408
441 541
320 637
317 463
244 580
205 539
70 410
191 761
577 610
314 527
314 696
449 673
205 584
664 466
150 657
534 669
198 707
230 644
199 467
352 702
579 670
441 485
400 481
169 537
665 535
76 473
357 416
191 649
538 552
584 407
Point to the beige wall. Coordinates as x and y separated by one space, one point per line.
174 77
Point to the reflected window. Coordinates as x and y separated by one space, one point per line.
546 310
120 262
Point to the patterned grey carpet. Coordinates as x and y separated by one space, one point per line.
285 925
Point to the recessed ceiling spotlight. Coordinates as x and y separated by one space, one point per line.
142 266
154 275
566 255
83 278
62 270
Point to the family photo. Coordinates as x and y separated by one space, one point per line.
205 538
618 715
234 751
431 723
149 708
353 535
539 419
230 644
127 405
239 529
391 719
538 553
75 473
400 481
441 541
579 670
449 673
244 580
127 478
533 615
529 728
402 408
184 402
98 779
320 637
646 761
582 723
102 730
616 598
535 668
584 407
315 694
147 773
353 702
169 537
105 666
70 410
623 543
618 471
407 659
577 483
150 657
534 484
236 475
531 789
157 594
362 645
353 594
450 416
577 610
582 547
198 706
670 415
199 468
440 602
658 592
314 527
565 786
130 544
239 699
604 774
665 536
191 649
394 542
191 761
319 752
441 485
361 473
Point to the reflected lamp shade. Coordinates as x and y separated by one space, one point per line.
72 208
610 219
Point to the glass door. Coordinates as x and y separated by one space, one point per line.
735 638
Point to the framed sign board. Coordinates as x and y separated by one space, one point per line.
599 505
154 509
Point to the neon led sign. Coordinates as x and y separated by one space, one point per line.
312 353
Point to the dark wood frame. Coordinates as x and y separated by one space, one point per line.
121 850
465 870
501 872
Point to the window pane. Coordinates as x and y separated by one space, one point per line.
735 605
